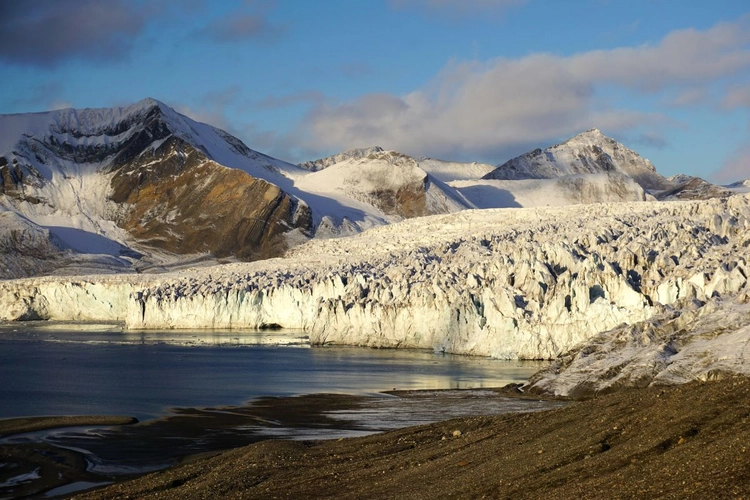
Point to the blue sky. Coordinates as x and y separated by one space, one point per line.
470 80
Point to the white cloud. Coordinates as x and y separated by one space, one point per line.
491 108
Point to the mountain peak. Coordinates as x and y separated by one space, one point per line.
589 152
591 136
351 154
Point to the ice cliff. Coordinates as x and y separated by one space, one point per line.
696 342
513 283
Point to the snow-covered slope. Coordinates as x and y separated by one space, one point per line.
391 183
443 171
696 342
448 171
739 187
608 187
143 182
26 248
588 153
352 154
511 283
687 187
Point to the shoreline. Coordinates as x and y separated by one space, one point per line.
22 425
171 440
688 441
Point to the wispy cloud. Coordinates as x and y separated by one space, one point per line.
491 109
737 97
690 97
250 22
460 7
736 168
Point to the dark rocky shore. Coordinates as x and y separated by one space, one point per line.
684 442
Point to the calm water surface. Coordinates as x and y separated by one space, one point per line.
48 369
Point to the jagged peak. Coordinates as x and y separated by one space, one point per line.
592 135
350 154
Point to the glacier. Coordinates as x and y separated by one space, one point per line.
527 283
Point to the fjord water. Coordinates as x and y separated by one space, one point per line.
102 370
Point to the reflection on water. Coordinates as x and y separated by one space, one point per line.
53 369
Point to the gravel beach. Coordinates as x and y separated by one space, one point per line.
684 442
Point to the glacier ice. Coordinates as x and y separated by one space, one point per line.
511 283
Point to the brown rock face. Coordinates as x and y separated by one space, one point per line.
177 200
408 201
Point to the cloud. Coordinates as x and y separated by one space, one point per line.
46 32
461 7
214 106
736 168
652 140
737 97
491 109
690 97
250 22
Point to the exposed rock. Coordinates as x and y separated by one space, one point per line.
588 153
609 187
692 188
147 178
352 154
26 248
697 342
390 181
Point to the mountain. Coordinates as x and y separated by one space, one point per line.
687 187
588 153
444 171
144 177
352 154
528 283
389 181
143 187
607 187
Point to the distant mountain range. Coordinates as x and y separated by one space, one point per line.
143 187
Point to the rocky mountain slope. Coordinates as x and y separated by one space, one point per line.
143 187
455 185
609 187
588 153
391 182
352 154
525 283
687 187
146 178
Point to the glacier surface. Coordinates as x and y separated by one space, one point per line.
512 283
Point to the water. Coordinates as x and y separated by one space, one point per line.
101 370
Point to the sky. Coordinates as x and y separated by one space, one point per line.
463 80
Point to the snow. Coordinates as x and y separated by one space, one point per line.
447 171
364 180
567 190
740 187
588 153
696 342
73 194
527 283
